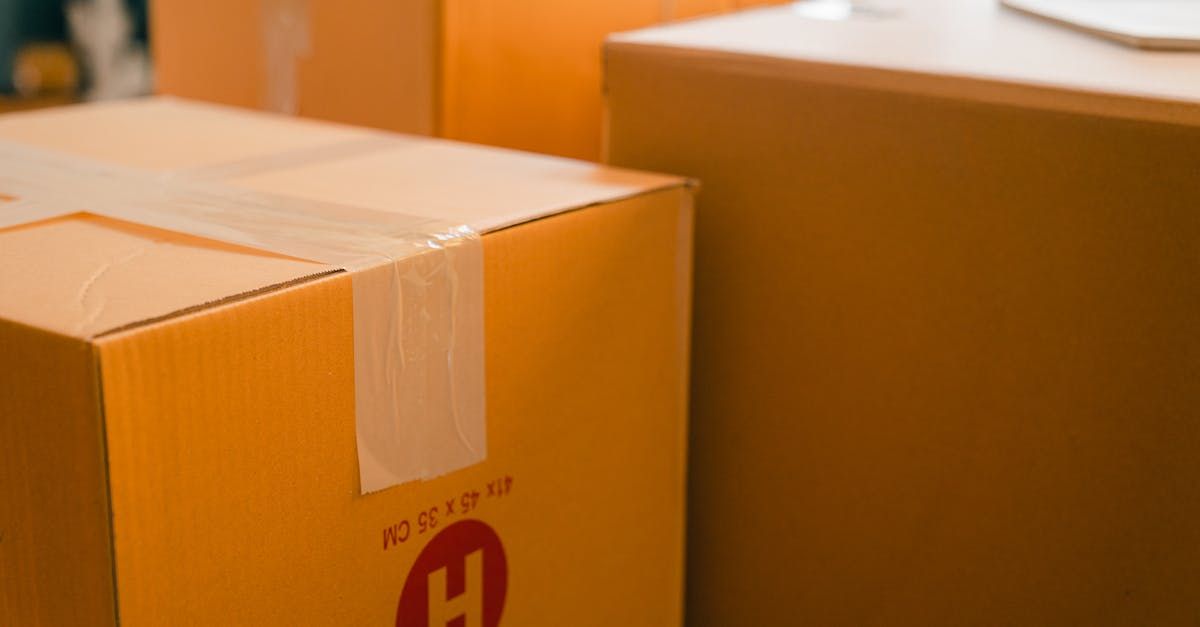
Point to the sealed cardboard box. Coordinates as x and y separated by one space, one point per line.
945 345
471 410
516 74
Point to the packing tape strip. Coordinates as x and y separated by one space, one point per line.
286 40
417 284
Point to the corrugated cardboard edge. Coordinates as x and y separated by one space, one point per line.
675 182
268 291
228 300
102 416
981 89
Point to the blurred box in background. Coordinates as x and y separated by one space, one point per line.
178 439
945 350
522 75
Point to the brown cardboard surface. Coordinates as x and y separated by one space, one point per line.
521 75
528 74
367 62
54 514
229 429
945 359
120 273
167 133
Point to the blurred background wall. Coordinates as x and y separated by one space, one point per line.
60 51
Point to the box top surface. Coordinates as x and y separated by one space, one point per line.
959 42
85 275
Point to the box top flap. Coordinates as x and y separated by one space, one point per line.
84 275
957 48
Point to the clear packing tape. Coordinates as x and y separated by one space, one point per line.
286 40
417 284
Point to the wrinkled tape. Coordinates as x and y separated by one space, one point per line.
417 282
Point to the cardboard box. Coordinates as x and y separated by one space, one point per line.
945 341
517 74
177 414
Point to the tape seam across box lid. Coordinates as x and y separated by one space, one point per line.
417 288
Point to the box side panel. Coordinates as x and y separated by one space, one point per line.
209 51
360 61
946 365
371 63
587 324
232 444
527 75
55 557
222 429
499 88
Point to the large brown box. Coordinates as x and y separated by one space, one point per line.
946 357
182 416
